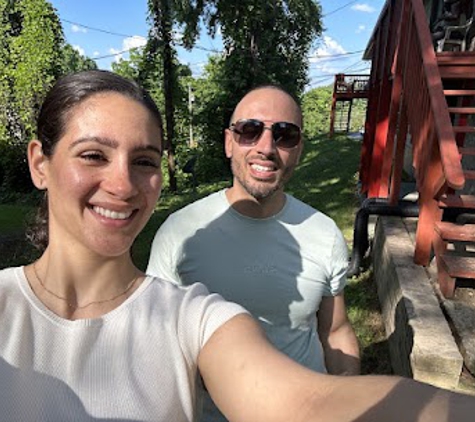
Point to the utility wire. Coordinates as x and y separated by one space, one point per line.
335 55
98 29
340 8
118 53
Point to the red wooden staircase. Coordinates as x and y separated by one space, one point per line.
425 100
454 241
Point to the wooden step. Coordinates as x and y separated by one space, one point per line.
455 232
464 58
464 129
457 201
457 72
459 92
462 110
458 265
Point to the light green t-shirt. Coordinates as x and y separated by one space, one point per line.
278 268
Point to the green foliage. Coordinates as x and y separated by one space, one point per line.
31 40
13 218
73 61
266 42
15 181
358 114
35 59
316 108
212 110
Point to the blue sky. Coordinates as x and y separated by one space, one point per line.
102 29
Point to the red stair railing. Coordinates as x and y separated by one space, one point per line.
416 106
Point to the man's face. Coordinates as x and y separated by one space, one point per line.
261 170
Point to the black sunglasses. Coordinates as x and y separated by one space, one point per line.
248 131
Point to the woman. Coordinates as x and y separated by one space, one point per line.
85 336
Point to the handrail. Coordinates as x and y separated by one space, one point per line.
407 97
440 119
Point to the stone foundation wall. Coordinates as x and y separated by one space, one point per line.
420 341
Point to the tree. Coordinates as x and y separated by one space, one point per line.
73 61
161 42
31 41
34 57
316 108
267 41
264 42
163 14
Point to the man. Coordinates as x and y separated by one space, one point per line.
260 247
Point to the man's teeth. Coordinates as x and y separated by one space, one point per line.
114 215
261 168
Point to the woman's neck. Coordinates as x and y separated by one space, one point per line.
75 288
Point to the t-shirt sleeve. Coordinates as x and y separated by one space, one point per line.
200 315
339 264
162 260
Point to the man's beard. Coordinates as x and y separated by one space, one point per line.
259 190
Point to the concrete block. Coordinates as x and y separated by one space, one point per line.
420 341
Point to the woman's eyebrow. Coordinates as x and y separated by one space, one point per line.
148 148
100 140
111 143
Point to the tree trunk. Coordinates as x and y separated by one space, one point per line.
162 14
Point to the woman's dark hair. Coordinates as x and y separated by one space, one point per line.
67 93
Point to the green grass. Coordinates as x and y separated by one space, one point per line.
326 179
12 218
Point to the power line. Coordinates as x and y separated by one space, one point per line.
98 29
117 54
340 8
329 57
349 53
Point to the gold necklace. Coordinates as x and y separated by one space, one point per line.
94 302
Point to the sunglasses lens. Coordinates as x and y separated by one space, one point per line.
249 131
286 135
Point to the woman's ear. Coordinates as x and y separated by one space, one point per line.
37 163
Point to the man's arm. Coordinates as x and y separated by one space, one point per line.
250 381
340 345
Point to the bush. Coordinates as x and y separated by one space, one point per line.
15 181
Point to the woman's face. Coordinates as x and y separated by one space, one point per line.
104 177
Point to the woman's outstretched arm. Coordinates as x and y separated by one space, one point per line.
251 381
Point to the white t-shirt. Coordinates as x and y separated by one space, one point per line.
136 363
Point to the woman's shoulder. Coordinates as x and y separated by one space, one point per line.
170 292
10 273
194 298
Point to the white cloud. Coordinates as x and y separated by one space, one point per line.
328 48
76 28
322 58
134 42
96 54
363 7
361 28
79 49
127 44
